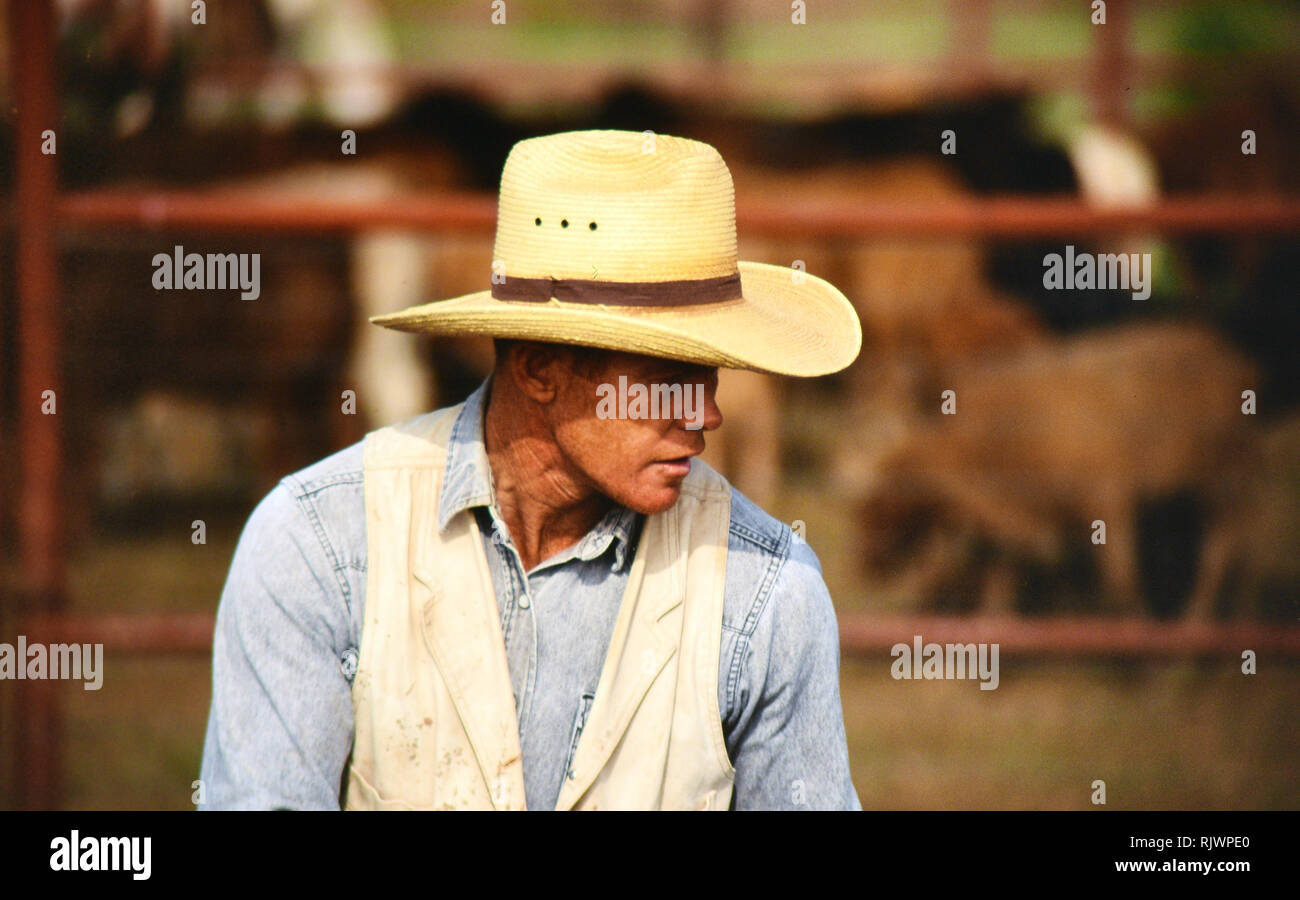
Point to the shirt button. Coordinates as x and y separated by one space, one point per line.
523 602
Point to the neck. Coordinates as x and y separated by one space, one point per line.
547 504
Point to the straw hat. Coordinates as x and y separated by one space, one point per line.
627 241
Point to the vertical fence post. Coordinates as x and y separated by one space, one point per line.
1111 66
40 518
970 27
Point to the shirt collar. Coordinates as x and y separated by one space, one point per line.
467 483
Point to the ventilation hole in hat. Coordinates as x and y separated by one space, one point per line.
564 223
592 226
537 221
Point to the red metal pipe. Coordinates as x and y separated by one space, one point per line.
41 539
125 632
1111 84
1001 216
859 633
40 518
1071 636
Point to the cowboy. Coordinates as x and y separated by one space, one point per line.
516 603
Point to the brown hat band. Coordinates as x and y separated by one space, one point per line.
620 293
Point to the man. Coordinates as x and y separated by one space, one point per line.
539 598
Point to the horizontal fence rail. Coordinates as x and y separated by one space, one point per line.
124 632
1001 216
860 633
823 86
1071 636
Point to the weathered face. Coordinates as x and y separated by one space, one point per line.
609 436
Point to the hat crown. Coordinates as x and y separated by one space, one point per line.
615 206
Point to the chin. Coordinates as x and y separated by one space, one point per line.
653 501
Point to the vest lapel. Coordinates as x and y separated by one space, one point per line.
461 626
646 637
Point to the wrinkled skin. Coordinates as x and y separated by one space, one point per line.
557 467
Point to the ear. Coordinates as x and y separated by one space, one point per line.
538 369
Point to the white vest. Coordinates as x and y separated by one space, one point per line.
436 726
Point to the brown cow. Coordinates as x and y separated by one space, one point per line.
1043 445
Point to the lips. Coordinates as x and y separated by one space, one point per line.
676 467
682 457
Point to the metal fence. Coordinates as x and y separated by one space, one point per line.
40 212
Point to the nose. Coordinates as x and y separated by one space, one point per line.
710 416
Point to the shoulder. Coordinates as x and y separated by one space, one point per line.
319 509
343 467
772 573
754 526
325 501
751 527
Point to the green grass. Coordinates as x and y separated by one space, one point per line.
1166 736
137 743
888 32
1161 735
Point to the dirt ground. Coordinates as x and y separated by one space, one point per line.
1168 735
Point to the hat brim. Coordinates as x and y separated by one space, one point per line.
785 323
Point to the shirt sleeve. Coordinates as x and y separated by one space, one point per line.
280 725
787 741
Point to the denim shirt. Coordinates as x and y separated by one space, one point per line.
289 625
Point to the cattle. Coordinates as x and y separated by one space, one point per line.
1042 455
